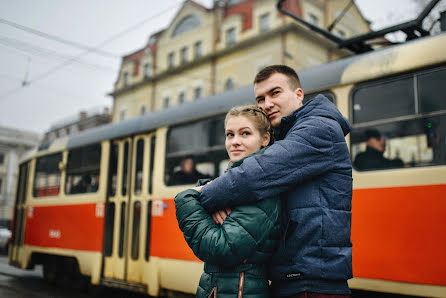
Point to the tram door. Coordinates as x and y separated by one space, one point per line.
19 213
127 218
116 210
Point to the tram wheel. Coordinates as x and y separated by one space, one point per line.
50 272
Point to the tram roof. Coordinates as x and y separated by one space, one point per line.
312 79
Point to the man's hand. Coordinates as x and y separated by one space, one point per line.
220 216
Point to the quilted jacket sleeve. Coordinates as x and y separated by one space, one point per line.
306 152
235 240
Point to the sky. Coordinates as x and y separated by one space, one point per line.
43 81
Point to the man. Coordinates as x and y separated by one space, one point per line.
372 158
188 174
309 165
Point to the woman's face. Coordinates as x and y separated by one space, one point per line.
242 138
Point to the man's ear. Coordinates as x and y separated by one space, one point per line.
300 95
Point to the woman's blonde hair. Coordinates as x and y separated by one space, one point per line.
256 116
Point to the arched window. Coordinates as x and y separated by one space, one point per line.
186 24
229 84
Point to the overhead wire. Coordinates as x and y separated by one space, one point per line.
57 38
45 53
89 50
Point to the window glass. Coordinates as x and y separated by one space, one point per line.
152 160
83 170
121 231
186 24
396 95
126 78
184 54
143 110
47 176
22 184
139 166
410 143
264 22
170 59
230 37
197 93
197 49
229 84
181 98
109 224
166 102
147 70
136 229
194 151
113 169
431 91
125 169
149 221
418 139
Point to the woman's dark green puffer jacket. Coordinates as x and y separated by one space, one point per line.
235 253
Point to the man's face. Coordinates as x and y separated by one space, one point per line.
378 144
276 98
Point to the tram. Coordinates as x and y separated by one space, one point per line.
99 204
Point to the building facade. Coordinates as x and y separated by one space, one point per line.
205 51
77 123
13 144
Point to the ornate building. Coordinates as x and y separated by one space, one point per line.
13 144
205 51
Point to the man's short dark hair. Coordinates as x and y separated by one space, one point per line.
372 133
265 73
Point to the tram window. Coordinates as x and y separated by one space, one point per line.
410 143
113 169
136 229
327 94
125 169
22 184
152 160
121 230
194 151
431 90
384 100
139 166
149 221
109 224
83 170
47 176
391 141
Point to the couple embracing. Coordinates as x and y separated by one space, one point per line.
281 212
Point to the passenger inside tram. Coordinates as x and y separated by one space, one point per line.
372 157
187 174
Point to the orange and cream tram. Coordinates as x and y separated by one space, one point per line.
100 204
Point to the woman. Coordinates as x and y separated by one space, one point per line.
235 253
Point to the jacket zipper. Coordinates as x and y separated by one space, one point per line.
240 284
213 293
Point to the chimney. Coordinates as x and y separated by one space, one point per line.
83 115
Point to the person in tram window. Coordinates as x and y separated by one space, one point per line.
83 185
187 174
309 166
237 251
372 158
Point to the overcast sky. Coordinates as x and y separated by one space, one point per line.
63 79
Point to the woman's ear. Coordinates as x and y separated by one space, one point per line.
265 140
